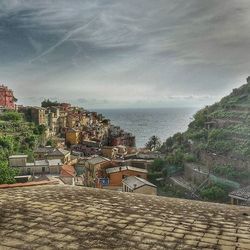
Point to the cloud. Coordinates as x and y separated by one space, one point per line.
125 50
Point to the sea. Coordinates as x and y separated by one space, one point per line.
143 123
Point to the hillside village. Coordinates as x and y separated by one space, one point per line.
73 146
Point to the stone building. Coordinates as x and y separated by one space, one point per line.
38 167
138 185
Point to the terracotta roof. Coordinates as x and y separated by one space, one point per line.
68 171
67 217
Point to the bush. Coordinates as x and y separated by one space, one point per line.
199 119
222 147
7 173
214 193
10 116
176 158
217 134
158 165
153 176
200 134
190 158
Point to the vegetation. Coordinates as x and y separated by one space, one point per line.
214 193
17 136
48 103
154 143
7 174
218 134
51 143
10 116
231 173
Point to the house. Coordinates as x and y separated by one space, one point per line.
53 119
50 153
138 185
138 163
54 166
38 115
38 167
7 99
109 151
117 174
114 152
42 167
18 160
72 137
59 153
41 152
240 196
91 169
68 174
95 168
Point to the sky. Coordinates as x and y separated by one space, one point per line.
119 54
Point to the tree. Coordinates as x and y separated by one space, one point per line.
48 103
154 143
7 173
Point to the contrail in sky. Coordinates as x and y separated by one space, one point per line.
64 39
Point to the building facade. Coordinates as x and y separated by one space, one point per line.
7 99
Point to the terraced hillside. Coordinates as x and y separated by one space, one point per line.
220 134
17 135
217 142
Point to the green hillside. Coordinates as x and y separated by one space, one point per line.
17 136
217 141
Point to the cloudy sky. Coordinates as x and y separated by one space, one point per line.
116 53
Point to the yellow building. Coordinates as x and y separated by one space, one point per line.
73 137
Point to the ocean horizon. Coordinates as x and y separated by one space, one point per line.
145 122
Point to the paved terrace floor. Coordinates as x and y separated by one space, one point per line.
64 217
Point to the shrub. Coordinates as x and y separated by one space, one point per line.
11 116
7 173
214 193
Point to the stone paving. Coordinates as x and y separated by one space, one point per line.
65 217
